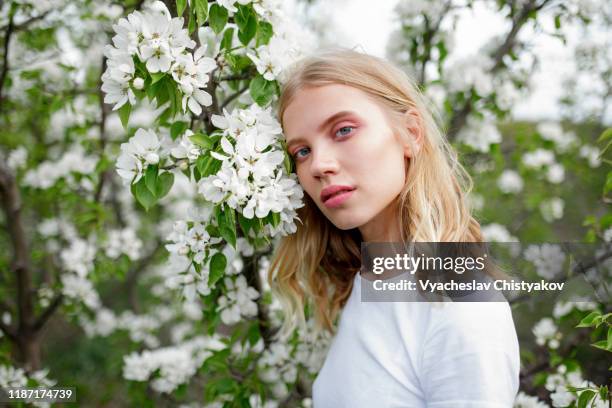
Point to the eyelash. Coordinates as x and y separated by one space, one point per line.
295 155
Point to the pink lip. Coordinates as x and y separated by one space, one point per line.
338 199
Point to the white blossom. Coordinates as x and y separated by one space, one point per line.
141 150
547 333
252 178
238 301
554 132
17 158
523 400
123 241
174 365
555 173
552 209
548 259
185 148
74 160
538 158
510 182
479 134
497 233
592 154
470 73
80 289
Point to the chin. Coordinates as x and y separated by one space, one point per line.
345 223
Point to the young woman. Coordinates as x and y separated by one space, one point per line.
376 168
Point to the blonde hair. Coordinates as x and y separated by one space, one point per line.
315 267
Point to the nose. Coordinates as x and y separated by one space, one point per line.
324 162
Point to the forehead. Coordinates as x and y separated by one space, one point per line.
311 106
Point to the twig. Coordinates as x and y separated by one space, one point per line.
459 117
103 113
579 268
135 271
233 96
48 312
5 56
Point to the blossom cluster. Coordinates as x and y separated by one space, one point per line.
74 160
480 134
510 182
548 259
160 42
171 366
238 301
561 396
17 377
252 178
547 333
141 150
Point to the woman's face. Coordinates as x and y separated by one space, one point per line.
339 136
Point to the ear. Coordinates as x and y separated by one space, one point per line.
413 122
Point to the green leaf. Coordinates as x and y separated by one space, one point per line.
151 178
602 344
275 219
191 25
246 20
217 268
253 334
201 10
245 223
157 76
246 35
217 18
288 163
603 393
558 21
589 320
164 184
124 114
264 33
143 195
177 129
585 397
202 141
228 36
608 186
180 7
261 90
226 219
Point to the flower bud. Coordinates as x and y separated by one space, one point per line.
183 165
152 158
138 83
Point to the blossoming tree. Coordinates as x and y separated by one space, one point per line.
145 182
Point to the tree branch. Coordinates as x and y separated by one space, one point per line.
134 273
459 117
103 113
233 96
48 312
5 65
11 202
8 332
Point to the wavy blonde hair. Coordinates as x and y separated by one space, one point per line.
314 268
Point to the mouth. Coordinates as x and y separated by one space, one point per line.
338 198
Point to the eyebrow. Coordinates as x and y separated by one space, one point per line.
325 123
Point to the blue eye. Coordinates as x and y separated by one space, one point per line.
297 153
344 128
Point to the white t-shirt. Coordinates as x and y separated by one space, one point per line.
420 354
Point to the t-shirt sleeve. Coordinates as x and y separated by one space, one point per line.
470 356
